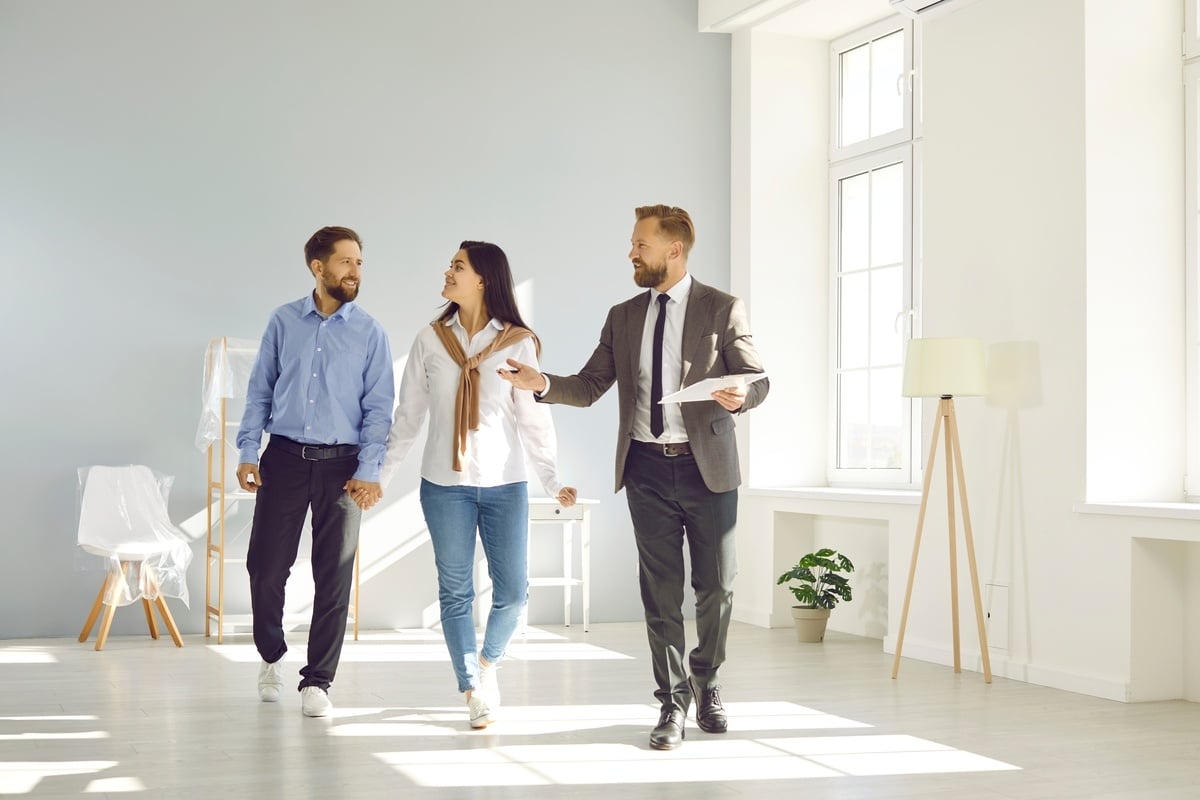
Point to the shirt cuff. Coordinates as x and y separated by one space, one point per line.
368 473
542 393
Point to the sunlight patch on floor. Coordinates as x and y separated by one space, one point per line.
26 655
21 777
115 785
550 720
718 760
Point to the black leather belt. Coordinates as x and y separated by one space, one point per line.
314 452
668 449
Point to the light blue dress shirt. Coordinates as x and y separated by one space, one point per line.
321 380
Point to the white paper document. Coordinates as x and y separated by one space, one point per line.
704 389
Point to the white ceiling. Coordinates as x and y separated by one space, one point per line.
826 19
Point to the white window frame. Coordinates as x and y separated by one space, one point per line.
901 146
847 43
878 476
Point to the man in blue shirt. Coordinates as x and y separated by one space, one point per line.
322 386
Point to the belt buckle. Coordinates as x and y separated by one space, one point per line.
668 450
304 448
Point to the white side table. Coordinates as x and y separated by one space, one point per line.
546 511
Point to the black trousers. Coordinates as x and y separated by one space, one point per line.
291 485
669 503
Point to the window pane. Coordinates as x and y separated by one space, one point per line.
855 111
853 330
855 221
887 84
887 407
887 301
853 424
887 215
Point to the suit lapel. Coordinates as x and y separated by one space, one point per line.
698 311
637 327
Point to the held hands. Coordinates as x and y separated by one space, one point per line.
730 398
523 376
248 477
365 494
566 496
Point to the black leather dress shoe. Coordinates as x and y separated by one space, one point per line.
668 734
710 712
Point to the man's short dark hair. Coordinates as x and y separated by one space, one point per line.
320 245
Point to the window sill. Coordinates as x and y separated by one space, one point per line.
1186 511
907 497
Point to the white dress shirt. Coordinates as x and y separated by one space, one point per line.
511 422
672 364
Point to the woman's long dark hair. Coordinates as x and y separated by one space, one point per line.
499 293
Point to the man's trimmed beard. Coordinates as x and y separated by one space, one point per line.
341 293
648 276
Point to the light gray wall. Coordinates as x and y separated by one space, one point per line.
162 164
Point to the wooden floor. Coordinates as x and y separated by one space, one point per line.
143 718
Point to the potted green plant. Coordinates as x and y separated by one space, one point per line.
818 584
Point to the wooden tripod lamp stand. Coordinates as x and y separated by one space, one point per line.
945 368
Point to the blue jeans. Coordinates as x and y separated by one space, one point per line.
501 514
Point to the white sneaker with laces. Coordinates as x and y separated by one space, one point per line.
314 701
270 679
479 711
488 686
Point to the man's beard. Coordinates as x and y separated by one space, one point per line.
648 276
341 293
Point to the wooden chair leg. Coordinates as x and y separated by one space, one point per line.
163 611
150 623
105 624
117 581
95 612
168 620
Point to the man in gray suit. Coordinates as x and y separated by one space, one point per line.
678 462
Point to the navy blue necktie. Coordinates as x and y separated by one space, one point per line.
656 409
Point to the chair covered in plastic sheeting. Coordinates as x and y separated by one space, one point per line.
123 519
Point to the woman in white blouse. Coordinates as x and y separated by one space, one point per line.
473 469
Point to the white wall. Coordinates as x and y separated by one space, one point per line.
1052 197
164 163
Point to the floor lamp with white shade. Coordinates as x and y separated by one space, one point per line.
945 368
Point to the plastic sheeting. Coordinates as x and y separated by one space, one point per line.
227 366
123 519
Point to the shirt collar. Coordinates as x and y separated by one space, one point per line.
677 292
309 306
453 320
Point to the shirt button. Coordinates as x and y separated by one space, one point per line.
308 427
318 349
314 374
310 402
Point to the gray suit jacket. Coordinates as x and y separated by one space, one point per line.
716 342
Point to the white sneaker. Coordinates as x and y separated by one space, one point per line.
488 686
480 713
270 679
314 701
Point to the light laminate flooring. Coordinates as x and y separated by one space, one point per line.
145 719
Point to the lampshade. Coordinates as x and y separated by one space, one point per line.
944 366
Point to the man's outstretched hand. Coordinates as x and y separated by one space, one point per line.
523 376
